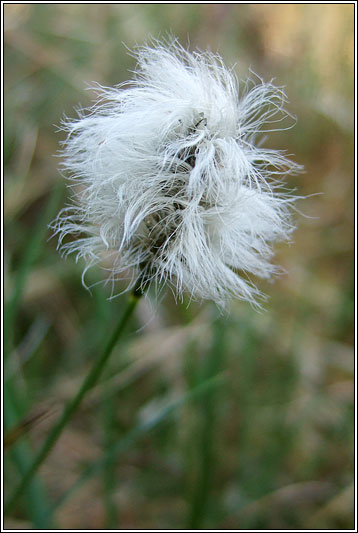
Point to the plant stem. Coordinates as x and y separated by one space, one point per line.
72 406
127 440
203 485
109 470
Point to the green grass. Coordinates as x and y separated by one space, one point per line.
238 421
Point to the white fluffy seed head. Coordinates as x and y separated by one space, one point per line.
169 180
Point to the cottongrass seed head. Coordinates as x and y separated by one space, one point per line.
169 180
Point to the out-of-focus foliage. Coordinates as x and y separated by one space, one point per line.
269 444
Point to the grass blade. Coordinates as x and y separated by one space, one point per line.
32 251
72 406
137 432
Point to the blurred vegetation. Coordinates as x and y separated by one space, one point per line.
205 421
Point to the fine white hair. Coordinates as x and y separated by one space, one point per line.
169 179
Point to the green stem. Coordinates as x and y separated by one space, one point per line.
109 471
127 441
72 406
207 430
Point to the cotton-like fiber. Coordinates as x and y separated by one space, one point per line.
170 180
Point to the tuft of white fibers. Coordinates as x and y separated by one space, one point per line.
169 180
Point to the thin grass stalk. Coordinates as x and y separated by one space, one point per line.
109 472
32 251
127 441
90 380
207 412
108 397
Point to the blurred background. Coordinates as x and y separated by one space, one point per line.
201 420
